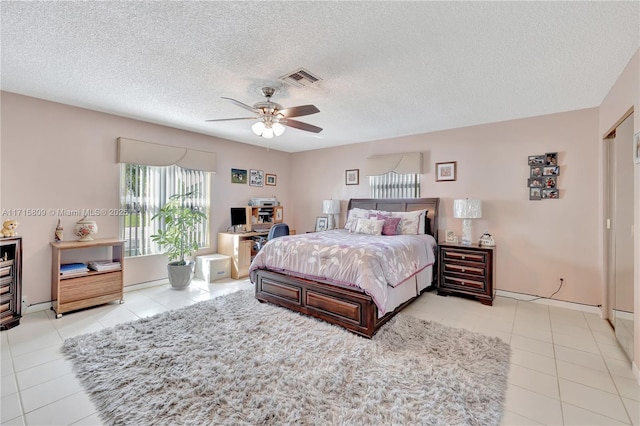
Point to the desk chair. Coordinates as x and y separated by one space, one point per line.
277 230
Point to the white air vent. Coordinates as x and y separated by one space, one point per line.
300 78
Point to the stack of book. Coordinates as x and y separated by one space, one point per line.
104 265
69 269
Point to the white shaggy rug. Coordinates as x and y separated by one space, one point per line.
233 360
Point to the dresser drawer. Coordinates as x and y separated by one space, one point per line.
465 268
5 271
465 283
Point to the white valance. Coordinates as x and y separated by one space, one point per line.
408 163
153 154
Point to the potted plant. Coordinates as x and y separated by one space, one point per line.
179 236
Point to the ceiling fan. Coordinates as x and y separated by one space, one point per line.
273 117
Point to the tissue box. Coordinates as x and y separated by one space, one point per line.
213 267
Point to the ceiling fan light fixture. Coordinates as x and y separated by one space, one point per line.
278 128
268 133
258 128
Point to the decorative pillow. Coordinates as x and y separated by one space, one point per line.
390 226
355 214
410 222
369 226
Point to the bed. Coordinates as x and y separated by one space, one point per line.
339 300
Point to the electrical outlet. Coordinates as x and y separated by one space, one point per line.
24 302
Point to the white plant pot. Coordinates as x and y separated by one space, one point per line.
180 275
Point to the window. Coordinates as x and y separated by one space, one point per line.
144 189
395 185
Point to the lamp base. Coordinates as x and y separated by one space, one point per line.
466 232
330 223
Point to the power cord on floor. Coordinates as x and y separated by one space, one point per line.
539 297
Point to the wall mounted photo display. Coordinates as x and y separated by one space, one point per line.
446 171
551 159
536 160
238 176
536 171
535 182
550 182
270 180
352 177
550 171
535 193
321 223
636 148
550 193
256 177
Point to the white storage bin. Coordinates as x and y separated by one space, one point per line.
213 267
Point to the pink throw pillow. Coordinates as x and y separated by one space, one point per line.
390 226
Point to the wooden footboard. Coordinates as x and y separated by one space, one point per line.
350 309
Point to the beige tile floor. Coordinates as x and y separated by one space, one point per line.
566 367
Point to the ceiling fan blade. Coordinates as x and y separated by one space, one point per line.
241 105
302 126
231 119
299 111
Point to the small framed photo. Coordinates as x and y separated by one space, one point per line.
451 237
535 182
238 176
352 177
551 159
536 171
550 171
446 171
636 148
536 160
271 180
321 223
535 193
550 193
256 177
550 181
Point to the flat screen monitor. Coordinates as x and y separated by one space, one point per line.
238 216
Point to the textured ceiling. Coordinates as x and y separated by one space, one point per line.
388 68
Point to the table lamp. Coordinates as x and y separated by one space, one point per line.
466 210
331 208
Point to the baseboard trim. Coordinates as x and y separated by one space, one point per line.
550 302
37 307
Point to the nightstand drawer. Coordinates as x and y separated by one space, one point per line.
465 268
464 255
464 283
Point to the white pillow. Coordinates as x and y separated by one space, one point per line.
369 226
355 214
411 223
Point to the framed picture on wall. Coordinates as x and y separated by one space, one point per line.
352 177
636 148
550 171
256 177
536 160
271 180
535 193
550 193
239 176
446 171
551 159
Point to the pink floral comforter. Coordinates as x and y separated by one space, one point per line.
372 263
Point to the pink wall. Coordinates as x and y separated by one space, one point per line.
538 242
61 157
623 96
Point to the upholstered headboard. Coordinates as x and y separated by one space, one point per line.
403 205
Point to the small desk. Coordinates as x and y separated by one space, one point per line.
239 246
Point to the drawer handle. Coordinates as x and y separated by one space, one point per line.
462 269
463 257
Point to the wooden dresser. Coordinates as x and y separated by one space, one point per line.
467 271
10 282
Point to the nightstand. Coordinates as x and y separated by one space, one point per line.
466 271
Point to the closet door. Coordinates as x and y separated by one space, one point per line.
620 291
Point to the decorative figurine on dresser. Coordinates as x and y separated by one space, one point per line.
467 270
10 282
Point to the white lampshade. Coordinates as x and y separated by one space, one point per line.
331 207
258 128
268 133
278 129
467 209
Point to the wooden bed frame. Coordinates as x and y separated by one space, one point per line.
351 309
